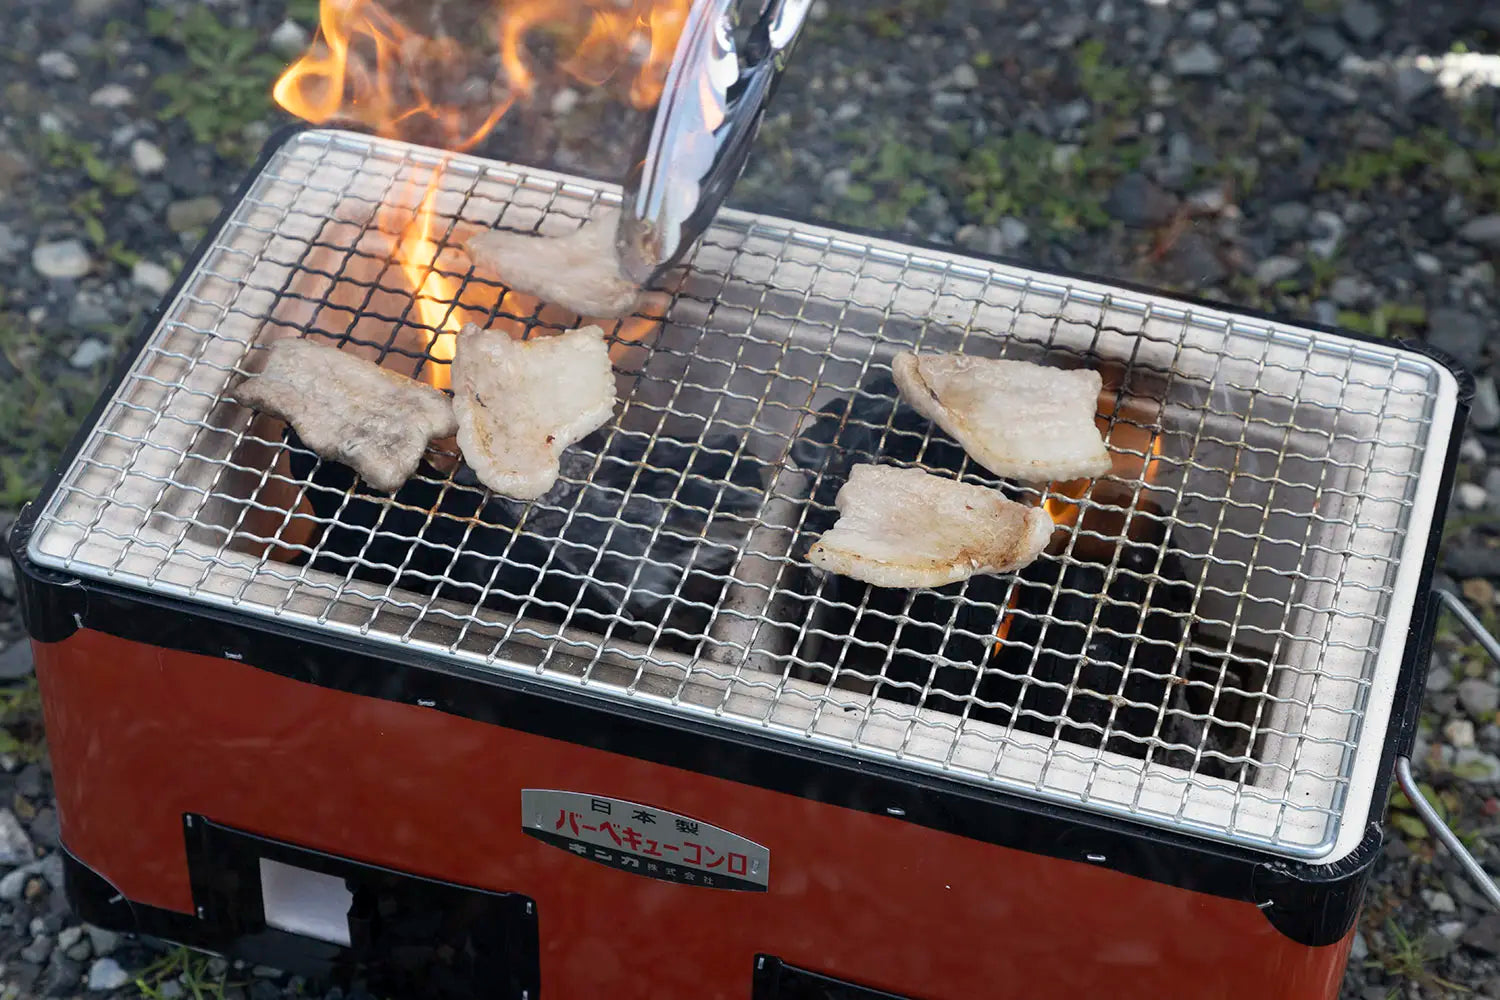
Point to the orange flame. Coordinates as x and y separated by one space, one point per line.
366 66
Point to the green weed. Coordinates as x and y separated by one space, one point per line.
1386 320
229 84
188 968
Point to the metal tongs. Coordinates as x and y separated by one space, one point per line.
711 107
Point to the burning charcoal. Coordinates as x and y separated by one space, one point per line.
1085 638
643 530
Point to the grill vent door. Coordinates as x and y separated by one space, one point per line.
776 980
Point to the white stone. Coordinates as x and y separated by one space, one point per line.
89 353
62 259
1460 733
15 845
289 40
151 276
106 974
112 95
965 77
147 157
56 63
1470 496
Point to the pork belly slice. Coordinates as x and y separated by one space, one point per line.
579 271
520 403
1019 420
901 527
349 409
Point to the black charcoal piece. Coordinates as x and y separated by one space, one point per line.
656 558
903 627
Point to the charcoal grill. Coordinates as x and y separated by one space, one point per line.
436 737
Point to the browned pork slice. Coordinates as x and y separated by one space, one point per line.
1018 420
520 403
908 528
349 409
579 271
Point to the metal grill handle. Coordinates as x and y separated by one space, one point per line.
1425 809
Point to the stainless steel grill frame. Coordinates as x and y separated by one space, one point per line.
1298 472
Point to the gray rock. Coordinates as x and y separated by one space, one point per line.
1325 42
1290 217
147 157
1439 902
965 77
1412 83
112 95
151 276
1202 22
836 182
1435 946
1137 202
266 972
13 884
39 950
1325 313
1439 678
1484 936
1483 231
69 936
1264 8
1452 929
1459 334
29 781
1426 263
1275 269
80 952
1197 59
44 829
11 245
1072 114
193 214
289 40
1459 733
1478 696
1477 765
1362 20
64 976
89 311
1359 950
16 661
15 845
51 869
89 353
104 942
1327 230
1485 414
1014 232
1481 274
1244 41
64 259
263 989
1457 165
106 974
170 990
1349 291
1470 496
58 64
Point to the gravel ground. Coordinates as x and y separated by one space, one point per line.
1314 158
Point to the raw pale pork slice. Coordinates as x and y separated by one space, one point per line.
1018 420
908 528
349 409
520 403
579 271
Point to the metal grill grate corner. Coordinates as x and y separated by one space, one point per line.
1212 647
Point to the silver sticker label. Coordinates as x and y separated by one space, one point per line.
645 840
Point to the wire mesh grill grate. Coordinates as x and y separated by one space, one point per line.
1206 647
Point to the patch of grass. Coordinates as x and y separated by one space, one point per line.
1111 89
1402 956
1420 159
1023 175
1386 320
41 407
188 968
894 21
21 732
228 83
